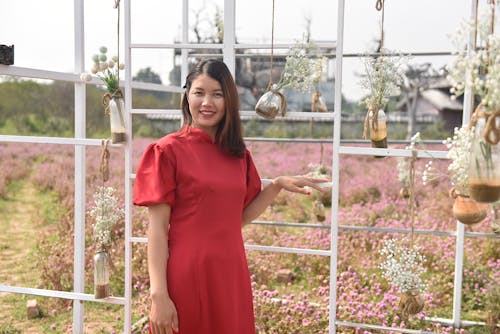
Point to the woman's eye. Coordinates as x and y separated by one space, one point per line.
218 95
197 93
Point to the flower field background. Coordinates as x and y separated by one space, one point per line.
369 196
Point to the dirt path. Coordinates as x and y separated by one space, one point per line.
18 214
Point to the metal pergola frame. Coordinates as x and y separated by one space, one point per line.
229 47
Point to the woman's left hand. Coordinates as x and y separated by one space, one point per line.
300 184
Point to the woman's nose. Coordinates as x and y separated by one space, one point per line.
206 99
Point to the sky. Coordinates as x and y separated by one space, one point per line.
42 30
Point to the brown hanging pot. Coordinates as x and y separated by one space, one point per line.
466 210
411 303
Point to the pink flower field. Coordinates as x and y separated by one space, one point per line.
369 196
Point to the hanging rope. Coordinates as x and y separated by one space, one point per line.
117 7
374 109
380 7
491 133
104 165
412 193
269 86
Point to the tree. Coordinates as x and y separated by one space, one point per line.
146 75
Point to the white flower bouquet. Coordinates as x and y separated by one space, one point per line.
106 214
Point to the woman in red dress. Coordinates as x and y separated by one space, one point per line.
201 186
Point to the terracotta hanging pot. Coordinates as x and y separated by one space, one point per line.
411 303
468 211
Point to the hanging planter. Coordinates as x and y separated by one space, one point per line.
106 214
484 170
300 72
319 211
101 274
466 210
382 79
478 69
272 103
410 303
113 100
318 103
115 108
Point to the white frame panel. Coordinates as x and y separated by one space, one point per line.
229 50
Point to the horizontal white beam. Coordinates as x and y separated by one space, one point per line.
38 74
53 140
383 328
393 152
175 46
288 250
61 294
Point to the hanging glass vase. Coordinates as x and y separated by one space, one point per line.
319 211
272 103
318 103
484 168
101 274
117 120
377 122
468 211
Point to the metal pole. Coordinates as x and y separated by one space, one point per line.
459 246
229 35
80 125
335 168
128 170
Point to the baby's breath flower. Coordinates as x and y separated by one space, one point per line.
402 265
106 214
459 147
382 79
302 68
478 69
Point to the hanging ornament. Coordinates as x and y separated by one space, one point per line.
318 103
319 211
484 168
272 103
466 210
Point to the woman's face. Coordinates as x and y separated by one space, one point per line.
206 104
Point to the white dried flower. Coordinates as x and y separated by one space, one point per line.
403 266
106 214
478 69
302 68
382 78
459 152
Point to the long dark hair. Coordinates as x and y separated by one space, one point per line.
229 133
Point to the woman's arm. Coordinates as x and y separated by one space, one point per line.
163 315
294 184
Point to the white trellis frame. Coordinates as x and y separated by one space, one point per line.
80 142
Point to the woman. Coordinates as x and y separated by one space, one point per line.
201 186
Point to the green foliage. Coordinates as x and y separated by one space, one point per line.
47 109
9 329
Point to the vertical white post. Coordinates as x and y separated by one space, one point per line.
334 232
128 170
460 238
229 35
80 124
185 36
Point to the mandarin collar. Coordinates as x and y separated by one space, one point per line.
197 134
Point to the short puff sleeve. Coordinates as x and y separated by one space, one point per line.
155 177
254 185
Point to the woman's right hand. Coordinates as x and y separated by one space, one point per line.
163 318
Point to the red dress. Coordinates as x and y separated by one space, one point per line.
207 189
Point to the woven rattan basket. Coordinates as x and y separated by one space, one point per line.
6 54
